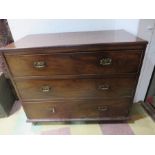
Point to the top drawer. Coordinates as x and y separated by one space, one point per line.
111 62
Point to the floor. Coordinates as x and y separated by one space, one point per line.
140 124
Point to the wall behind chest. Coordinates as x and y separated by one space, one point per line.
22 27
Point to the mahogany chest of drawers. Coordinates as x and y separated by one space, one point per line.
86 76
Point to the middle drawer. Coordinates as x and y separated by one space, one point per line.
32 89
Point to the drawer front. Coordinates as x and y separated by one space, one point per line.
78 109
76 88
112 62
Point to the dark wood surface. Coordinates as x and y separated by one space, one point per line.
75 38
74 74
78 108
75 63
76 88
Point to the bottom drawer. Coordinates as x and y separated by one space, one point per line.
78 109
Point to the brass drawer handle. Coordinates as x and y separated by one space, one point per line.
102 108
39 64
52 110
104 87
105 61
46 89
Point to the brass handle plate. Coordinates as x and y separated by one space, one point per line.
46 89
105 61
39 64
102 108
104 87
52 110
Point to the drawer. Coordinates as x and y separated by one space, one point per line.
72 109
76 88
82 63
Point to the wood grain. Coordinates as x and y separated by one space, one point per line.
77 109
75 63
74 73
76 88
75 38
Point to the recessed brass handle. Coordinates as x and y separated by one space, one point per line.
104 87
46 89
39 64
102 108
52 110
105 61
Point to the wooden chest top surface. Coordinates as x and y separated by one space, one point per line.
76 38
